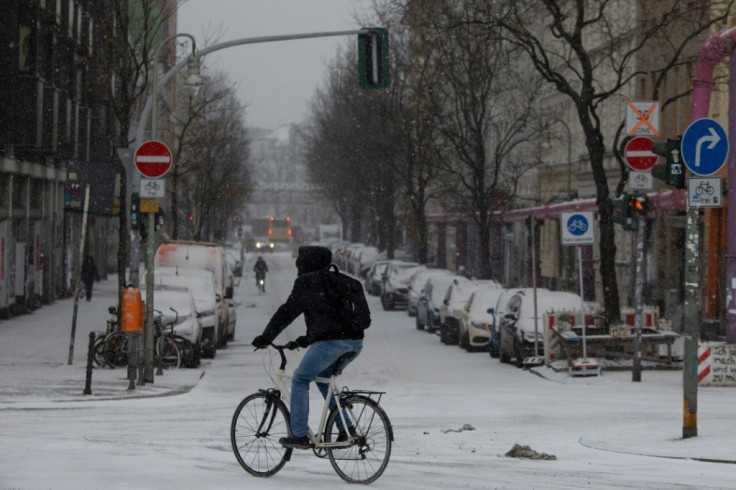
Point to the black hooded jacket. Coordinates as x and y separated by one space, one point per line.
308 297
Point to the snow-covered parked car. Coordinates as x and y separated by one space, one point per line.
416 287
478 319
428 308
202 284
394 288
374 277
455 300
518 328
177 306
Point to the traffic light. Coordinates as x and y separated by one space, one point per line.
373 58
622 211
673 171
639 205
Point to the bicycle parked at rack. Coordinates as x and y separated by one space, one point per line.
111 347
358 454
167 350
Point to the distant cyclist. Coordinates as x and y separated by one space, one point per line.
260 268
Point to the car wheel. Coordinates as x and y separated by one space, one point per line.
386 304
493 350
465 341
518 353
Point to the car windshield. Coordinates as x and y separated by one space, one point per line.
550 301
163 300
201 286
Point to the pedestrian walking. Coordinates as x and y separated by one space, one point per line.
89 275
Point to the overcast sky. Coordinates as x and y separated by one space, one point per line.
275 80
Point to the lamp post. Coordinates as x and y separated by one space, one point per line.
568 193
194 82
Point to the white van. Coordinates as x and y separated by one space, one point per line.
207 256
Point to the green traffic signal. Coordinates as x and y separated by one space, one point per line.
673 171
373 67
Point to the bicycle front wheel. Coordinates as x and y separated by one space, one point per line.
258 423
367 457
169 354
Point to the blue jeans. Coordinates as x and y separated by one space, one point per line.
318 361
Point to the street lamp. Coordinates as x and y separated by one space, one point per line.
564 253
547 144
194 82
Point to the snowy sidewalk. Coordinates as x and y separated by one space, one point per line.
34 353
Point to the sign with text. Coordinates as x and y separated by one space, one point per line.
705 193
642 118
716 364
577 228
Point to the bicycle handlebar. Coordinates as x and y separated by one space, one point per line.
281 348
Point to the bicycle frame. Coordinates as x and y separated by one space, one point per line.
283 388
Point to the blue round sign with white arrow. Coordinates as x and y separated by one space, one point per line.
704 146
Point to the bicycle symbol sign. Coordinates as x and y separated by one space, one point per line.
152 188
705 192
577 228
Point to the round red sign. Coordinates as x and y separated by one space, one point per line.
153 159
638 154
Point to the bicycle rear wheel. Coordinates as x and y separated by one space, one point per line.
366 459
115 350
258 423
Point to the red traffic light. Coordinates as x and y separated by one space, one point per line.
190 218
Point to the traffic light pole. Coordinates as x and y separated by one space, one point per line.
641 224
691 327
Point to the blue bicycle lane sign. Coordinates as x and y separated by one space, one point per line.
577 228
704 146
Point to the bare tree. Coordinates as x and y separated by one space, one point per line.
215 173
486 119
588 51
347 152
130 33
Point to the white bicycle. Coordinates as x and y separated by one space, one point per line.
359 454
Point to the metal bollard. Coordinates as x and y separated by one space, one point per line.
90 360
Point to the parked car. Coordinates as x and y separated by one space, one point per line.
435 296
422 318
206 256
478 319
176 304
374 277
452 306
361 260
394 288
235 258
517 327
202 284
416 287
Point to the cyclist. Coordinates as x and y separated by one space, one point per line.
327 338
260 268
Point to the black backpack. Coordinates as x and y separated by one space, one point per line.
346 299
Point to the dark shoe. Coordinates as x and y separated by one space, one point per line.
343 436
302 442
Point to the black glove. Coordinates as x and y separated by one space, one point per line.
299 342
260 342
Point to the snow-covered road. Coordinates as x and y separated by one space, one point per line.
605 432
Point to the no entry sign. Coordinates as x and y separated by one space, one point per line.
153 159
638 154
